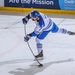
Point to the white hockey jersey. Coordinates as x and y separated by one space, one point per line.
44 24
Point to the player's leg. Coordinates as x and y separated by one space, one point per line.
56 29
39 48
64 31
39 45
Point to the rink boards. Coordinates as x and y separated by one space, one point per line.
41 10
45 6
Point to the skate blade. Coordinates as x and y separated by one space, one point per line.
40 58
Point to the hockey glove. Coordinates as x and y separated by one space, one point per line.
25 20
27 37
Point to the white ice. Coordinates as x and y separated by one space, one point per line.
17 59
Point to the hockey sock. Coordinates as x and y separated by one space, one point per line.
39 47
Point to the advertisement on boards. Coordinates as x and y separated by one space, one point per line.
67 4
47 4
44 4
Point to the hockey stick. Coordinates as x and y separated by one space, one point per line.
40 65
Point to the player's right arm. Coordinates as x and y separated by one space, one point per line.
26 19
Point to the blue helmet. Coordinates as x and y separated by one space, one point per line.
35 14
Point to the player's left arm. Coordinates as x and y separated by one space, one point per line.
26 19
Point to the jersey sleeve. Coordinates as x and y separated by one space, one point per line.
37 30
33 34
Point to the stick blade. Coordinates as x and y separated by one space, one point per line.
40 65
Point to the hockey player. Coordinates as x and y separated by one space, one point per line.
44 25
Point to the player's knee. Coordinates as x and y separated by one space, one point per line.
55 28
37 40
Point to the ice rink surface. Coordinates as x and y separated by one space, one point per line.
16 58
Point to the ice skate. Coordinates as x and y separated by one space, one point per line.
71 33
40 56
